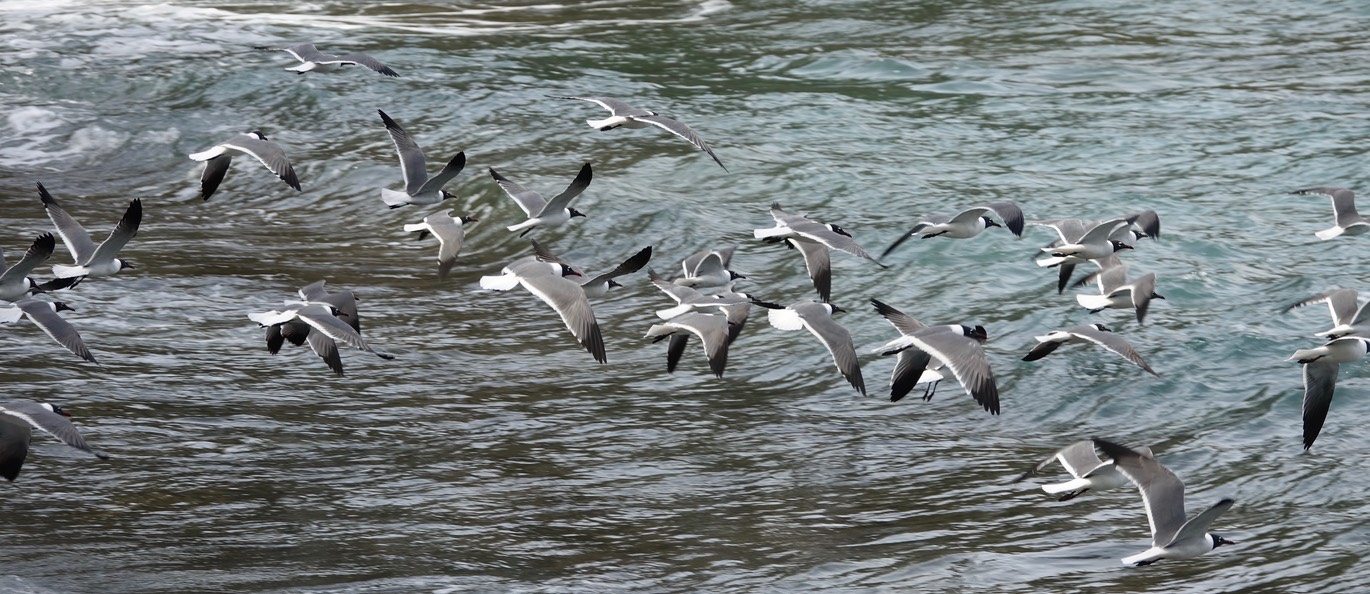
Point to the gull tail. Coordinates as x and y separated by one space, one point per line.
667 314
64 271
1094 301
501 282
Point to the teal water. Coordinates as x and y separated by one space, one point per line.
494 455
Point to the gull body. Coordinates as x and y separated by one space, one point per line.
547 281
623 115
813 240
418 187
1349 222
541 212
313 60
708 268
15 283
1091 333
598 286
450 233
18 419
255 144
1117 291
1349 318
91 260
1097 242
712 330
1172 536
322 319
957 347
44 315
817 319
965 224
343 306
1320 368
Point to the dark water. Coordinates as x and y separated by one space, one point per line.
494 455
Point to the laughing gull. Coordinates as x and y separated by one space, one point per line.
899 379
450 233
542 212
1320 367
1163 495
817 319
313 60
1349 318
1094 333
218 157
343 305
712 330
1145 224
966 224
957 347
708 268
598 286
15 283
18 419
627 116
1349 222
547 280
1087 470
44 315
322 318
91 260
418 187
736 307
1116 291
1096 242
813 240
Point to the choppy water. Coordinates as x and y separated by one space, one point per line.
494 455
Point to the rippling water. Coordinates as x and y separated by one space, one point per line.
494 455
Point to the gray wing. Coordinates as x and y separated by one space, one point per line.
819 264
1148 222
681 130
42 314
908 367
49 422
327 349
1069 230
368 62
1319 381
1079 458
546 255
322 319
1343 203
629 266
304 52
1042 349
901 321
680 293
569 301
213 175
531 202
836 338
1011 214
1112 342
1101 232
75 237
413 165
124 230
710 264
713 331
966 359
451 236
563 200
448 173
614 106
1162 491
825 235
344 301
1341 302
1197 526
1142 289
269 153
41 250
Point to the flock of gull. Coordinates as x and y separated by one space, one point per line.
704 301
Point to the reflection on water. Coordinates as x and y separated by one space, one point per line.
493 454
